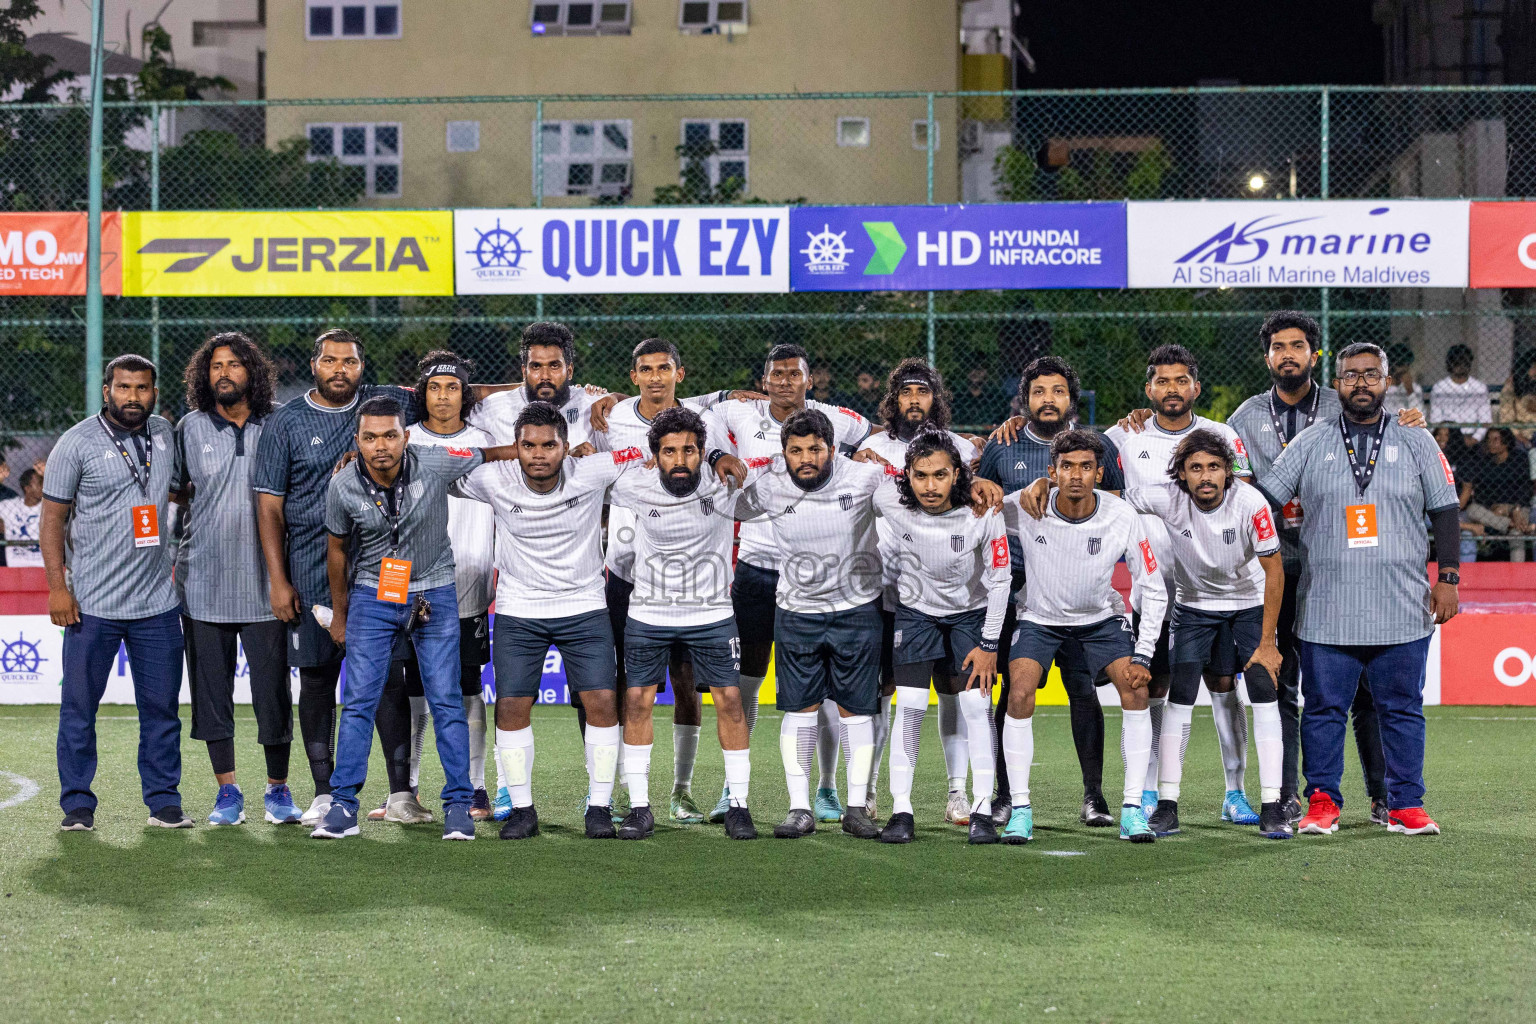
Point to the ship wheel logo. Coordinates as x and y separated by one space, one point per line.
20 657
826 251
499 252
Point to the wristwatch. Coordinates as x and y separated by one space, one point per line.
1450 576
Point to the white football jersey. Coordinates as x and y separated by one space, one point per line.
471 527
1157 536
1070 566
681 551
1215 554
496 414
551 559
627 428
755 433
829 560
894 449
21 522
1145 457
945 564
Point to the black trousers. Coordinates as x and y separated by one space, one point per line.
210 654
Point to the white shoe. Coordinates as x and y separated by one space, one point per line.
317 811
404 809
958 812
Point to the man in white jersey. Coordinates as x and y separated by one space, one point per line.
915 398
1173 385
548 354
755 429
1071 612
950 570
21 516
680 561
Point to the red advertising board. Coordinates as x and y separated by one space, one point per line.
1502 246
1488 659
44 253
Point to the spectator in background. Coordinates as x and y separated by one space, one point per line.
1460 397
1501 488
6 493
20 517
1517 401
980 403
866 400
1459 455
1403 391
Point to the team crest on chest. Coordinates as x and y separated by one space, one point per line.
1390 451
708 505
1094 543
846 501
956 543
571 414
1229 535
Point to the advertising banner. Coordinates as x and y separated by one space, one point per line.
1502 245
44 253
356 252
1488 659
618 251
1366 243
918 248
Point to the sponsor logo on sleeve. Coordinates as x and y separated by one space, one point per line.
624 455
759 461
1450 477
1263 526
999 552
1147 558
462 453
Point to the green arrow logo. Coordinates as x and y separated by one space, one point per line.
889 248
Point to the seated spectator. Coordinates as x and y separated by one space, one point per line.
866 400
980 403
1517 401
1403 391
1501 488
1454 446
1460 397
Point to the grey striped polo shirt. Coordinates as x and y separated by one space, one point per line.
426 475
220 573
1254 425
111 577
1363 595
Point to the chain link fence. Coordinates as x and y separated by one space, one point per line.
873 148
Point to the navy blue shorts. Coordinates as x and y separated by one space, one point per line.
1094 647
833 656
946 639
753 593
1161 666
713 648
585 642
1217 640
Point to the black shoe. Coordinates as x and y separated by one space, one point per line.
1293 809
639 823
170 816
599 822
738 823
858 823
1002 810
1165 820
899 829
1379 812
83 820
524 824
798 822
984 829
1274 823
1095 812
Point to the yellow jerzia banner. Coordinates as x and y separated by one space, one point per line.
354 252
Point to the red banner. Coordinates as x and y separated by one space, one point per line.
1502 246
44 253
1488 659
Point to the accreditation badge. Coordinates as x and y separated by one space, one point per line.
146 526
394 580
1360 526
1291 513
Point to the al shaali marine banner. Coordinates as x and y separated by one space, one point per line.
357 252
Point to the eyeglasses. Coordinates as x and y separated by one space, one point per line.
1369 377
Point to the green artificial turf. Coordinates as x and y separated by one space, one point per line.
260 923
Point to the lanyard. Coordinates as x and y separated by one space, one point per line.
396 493
1275 420
133 464
1363 473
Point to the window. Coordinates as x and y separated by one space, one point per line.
710 17
580 19
330 20
722 145
920 134
587 158
374 149
463 136
853 131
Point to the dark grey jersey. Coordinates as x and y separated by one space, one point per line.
1254 422
220 573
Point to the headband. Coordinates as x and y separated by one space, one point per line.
448 370
921 381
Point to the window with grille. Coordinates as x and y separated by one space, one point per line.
723 146
324 19
708 17
373 149
568 18
587 158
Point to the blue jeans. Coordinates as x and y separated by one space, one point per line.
1395 673
154 654
373 626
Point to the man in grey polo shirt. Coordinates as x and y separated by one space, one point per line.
1366 484
220 575
108 485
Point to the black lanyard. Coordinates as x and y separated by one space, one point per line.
396 495
1363 473
1274 416
133 464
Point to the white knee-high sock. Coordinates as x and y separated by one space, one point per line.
637 773
1135 751
828 735
749 686
911 707
685 750
1172 742
474 712
738 775
419 727
881 721
602 750
1155 707
952 739
1019 753
1232 733
858 736
798 741
1271 747
976 708
514 764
